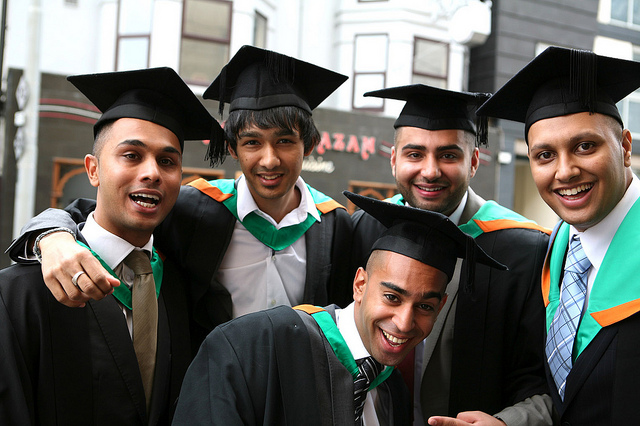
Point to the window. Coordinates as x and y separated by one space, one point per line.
625 11
260 31
629 107
430 62
134 30
206 30
369 70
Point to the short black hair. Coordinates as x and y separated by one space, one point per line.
282 117
102 133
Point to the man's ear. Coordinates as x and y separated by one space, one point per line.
92 167
392 160
359 284
627 143
232 152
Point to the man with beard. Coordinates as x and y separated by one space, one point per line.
482 361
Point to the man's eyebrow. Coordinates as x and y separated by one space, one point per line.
413 147
582 136
286 132
139 143
454 147
419 147
279 132
402 291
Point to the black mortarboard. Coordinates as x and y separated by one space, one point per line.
157 95
563 81
432 108
257 79
426 236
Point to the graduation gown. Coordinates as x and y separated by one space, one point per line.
77 366
602 386
275 367
196 234
498 347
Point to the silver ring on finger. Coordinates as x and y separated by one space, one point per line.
74 280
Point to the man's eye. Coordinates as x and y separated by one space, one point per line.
426 307
544 155
391 297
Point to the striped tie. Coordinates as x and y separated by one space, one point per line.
368 370
563 328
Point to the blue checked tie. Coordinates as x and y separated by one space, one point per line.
368 370
562 332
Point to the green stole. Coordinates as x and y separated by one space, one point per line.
123 293
615 294
491 216
261 228
340 347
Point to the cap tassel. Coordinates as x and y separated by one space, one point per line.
281 67
217 148
482 122
482 131
583 77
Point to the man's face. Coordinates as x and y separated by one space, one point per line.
271 161
396 304
137 172
581 165
433 167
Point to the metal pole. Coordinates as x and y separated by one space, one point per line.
27 164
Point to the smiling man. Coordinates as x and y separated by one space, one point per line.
331 366
268 238
119 360
580 157
434 158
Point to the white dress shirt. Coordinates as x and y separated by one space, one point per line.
112 250
256 276
347 326
596 239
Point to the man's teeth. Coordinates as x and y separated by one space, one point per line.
574 191
146 200
270 177
422 188
393 339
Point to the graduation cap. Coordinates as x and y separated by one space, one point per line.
157 95
563 81
257 79
426 236
432 108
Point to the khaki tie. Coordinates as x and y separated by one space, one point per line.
145 317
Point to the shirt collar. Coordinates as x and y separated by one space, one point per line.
596 239
345 319
111 248
246 204
457 213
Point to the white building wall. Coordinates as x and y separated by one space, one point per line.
81 38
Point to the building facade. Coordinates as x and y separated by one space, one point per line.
377 43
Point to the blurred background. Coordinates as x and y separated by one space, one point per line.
472 45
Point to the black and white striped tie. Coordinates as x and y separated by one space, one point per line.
368 369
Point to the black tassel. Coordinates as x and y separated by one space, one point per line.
583 77
281 67
482 122
217 148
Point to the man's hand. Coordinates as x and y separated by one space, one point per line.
466 418
62 258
